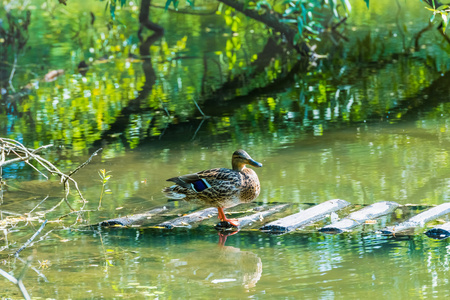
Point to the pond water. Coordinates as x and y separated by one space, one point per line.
368 124
190 264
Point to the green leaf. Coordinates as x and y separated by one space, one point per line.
347 5
112 9
288 21
334 8
367 3
229 45
442 7
300 26
166 7
445 22
289 10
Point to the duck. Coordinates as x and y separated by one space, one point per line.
219 187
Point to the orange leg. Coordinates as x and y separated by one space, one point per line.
223 237
223 218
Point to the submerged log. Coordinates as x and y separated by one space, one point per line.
359 217
419 220
133 219
439 232
302 218
187 220
249 220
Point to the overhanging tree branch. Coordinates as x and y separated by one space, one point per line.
272 21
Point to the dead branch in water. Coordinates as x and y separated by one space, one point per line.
23 154
18 281
11 152
30 239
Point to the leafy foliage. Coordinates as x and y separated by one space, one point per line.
112 7
442 11
307 18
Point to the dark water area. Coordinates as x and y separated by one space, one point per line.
367 121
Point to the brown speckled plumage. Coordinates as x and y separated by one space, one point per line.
227 187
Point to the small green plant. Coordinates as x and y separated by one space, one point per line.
443 11
105 177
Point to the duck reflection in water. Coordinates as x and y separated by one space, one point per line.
220 268
247 266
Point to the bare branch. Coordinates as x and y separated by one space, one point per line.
40 274
8 146
31 239
75 212
85 163
18 281
8 276
37 205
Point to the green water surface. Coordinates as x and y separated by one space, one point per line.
369 123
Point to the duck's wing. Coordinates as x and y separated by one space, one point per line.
207 179
185 180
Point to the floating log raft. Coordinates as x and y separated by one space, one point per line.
359 217
418 220
289 223
133 219
302 218
439 232
262 213
187 220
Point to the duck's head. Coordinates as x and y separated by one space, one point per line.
241 158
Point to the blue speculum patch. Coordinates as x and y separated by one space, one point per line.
200 185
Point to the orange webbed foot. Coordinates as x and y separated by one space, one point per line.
223 218
233 222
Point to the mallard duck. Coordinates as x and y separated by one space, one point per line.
219 187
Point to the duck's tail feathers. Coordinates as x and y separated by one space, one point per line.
171 194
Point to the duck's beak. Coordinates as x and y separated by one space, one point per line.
254 163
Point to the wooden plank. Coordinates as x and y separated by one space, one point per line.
359 217
419 220
439 232
187 220
302 218
262 213
133 219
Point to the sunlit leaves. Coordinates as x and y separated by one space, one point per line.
308 16
271 103
232 46
232 19
262 4
443 11
347 6
103 175
181 44
112 7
